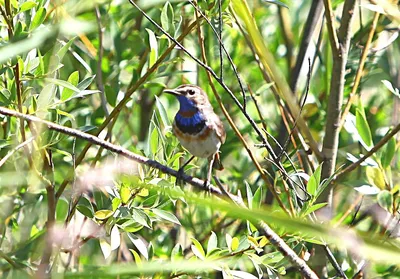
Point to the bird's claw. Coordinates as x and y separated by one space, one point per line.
179 180
206 185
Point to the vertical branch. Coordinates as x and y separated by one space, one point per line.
7 14
44 267
340 53
284 20
221 58
313 17
360 69
99 75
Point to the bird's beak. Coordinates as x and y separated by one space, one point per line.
172 91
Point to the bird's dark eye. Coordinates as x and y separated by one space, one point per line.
191 92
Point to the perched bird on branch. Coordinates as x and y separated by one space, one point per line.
197 127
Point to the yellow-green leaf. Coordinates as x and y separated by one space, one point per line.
198 249
235 244
125 193
376 177
363 128
103 214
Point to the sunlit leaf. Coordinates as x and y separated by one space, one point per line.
153 47
314 181
234 244
385 200
166 215
198 249
376 177
363 129
103 214
38 18
212 243
388 153
115 238
163 113
73 79
105 248
140 245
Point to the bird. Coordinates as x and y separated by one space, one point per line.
197 127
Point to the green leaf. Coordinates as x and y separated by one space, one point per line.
153 48
376 177
166 215
257 199
103 214
363 129
105 248
27 6
163 113
62 51
140 217
61 209
198 249
314 181
116 202
391 88
276 2
167 18
125 193
241 274
385 200
46 97
234 244
388 153
138 260
38 18
212 243
85 207
73 79
115 238
249 195
63 83
314 207
154 144
5 95
85 83
140 245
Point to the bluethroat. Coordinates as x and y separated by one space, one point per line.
197 127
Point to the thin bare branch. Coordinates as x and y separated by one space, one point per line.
378 146
11 152
314 16
100 52
360 69
331 138
333 37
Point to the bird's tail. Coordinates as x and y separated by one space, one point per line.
217 163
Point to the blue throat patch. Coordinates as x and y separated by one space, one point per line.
189 125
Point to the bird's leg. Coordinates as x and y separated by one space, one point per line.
209 172
181 171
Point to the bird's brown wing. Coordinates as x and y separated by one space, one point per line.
219 127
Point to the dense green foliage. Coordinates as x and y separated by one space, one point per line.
73 209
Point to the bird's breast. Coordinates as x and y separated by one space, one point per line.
190 122
196 136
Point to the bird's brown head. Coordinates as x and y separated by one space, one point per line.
191 97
